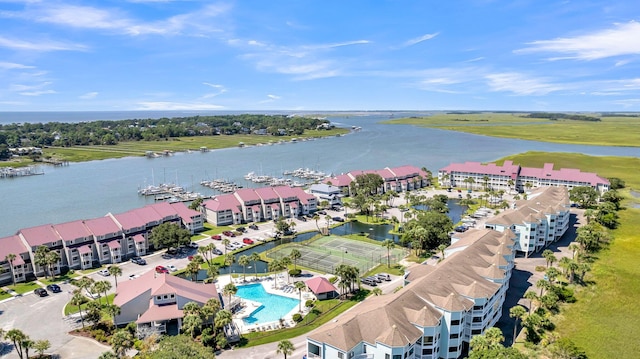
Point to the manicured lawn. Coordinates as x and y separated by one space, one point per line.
60 278
604 319
4 295
22 288
72 309
611 131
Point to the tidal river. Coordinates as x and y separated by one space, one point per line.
93 189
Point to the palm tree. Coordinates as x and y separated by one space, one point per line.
211 307
255 257
442 248
543 284
286 262
52 258
223 317
102 286
212 272
388 244
10 258
300 286
112 310
229 259
548 255
121 341
27 344
229 290
17 337
191 324
244 261
295 255
469 181
518 312
78 299
84 283
225 243
485 179
316 218
285 347
376 291
327 218
574 247
193 268
115 271
532 296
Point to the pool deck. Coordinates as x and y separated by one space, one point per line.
272 284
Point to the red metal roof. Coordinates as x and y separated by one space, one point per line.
37 236
113 244
103 226
12 245
160 313
164 209
138 238
129 220
72 230
222 203
186 214
319 285
148 215
507 169
266 193
247 195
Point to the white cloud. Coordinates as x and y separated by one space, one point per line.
21 87
520 84
37 93
620 40
271 98
220 90
12 66
175 106
88 95
39 46
631 102
420 39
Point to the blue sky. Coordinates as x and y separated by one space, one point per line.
319 55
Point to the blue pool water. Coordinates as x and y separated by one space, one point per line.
273 306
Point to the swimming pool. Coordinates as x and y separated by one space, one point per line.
273 306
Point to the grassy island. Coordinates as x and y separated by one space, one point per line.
589 129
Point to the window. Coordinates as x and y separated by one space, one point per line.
340 355
397 356
427 351
427 340
166 296
455 336
455 322
453 349
158 297
476 332
387 356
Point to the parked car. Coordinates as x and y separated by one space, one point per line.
384 276
321 212
104 272
216 251
171 268
161 269
229 234
217 237
241 229
138 261
54 288
253 226
368 282
338 219
172 251
134 276
303 219
41 292
375 279
192 245
247 240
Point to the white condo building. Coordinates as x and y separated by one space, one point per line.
438 311
475 175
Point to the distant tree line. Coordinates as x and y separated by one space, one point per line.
112 132
564 116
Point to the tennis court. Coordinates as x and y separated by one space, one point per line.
327 253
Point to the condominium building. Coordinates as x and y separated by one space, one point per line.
87 243
397 179
539 220
258 204
436 314
507 177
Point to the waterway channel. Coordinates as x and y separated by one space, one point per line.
93 189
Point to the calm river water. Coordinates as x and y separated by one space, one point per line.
93 189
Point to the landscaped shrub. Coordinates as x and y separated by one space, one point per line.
332 280
309 303
541 268
295 272
297 318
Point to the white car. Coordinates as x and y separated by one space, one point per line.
134 276
192 245
104 272
171 268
